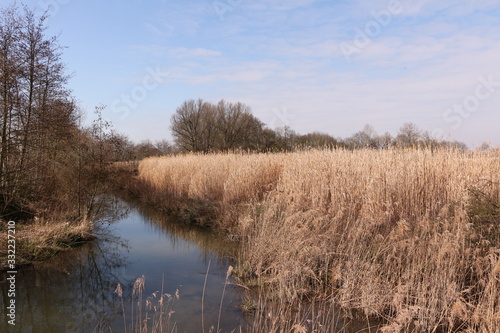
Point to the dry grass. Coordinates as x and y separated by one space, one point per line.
41 239
410 236
150 315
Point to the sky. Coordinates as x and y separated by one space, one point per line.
327 66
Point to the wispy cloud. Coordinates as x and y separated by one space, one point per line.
286 55
183 52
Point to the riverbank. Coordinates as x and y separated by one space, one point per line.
40 240
410 236
192 211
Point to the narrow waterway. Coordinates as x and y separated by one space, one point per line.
75 291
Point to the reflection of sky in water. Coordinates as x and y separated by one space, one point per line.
72 292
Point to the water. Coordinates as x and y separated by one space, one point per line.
74 291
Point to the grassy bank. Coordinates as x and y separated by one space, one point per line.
38 240
408 236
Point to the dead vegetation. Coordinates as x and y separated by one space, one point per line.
40 240
409 236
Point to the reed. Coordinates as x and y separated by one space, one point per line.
153 314
410 236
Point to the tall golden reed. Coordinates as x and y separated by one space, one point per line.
389 232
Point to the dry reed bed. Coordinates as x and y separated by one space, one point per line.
388 232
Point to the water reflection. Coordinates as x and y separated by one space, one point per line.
169 252
65 293
209 242
74 291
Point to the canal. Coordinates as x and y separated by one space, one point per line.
167 262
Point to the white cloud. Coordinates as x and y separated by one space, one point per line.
280 5
285 55
183 52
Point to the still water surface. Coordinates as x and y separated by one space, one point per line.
74 292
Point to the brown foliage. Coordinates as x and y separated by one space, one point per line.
392 232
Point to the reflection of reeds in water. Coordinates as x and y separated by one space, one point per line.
209 241
407 235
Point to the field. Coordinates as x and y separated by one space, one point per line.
411 237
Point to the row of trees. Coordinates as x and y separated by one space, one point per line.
199 126
48 163
120 148
194 133
408 136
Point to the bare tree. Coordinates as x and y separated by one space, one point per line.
164 147
408 135
287 138
365 138
317 140
192 125
38 117
384 141
267 140
9 65
202 126
230 123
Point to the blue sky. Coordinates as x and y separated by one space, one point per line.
329 66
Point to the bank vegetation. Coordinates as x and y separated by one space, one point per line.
52 169
408 236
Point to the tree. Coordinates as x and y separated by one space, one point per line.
286 138
408 135
122 148
146 149
192 126
202 126
164 147
485 146
317 140
48 163
267 140
9 64
37 114
365 138
384 141
237 128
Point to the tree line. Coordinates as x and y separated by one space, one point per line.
49 164
200 126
